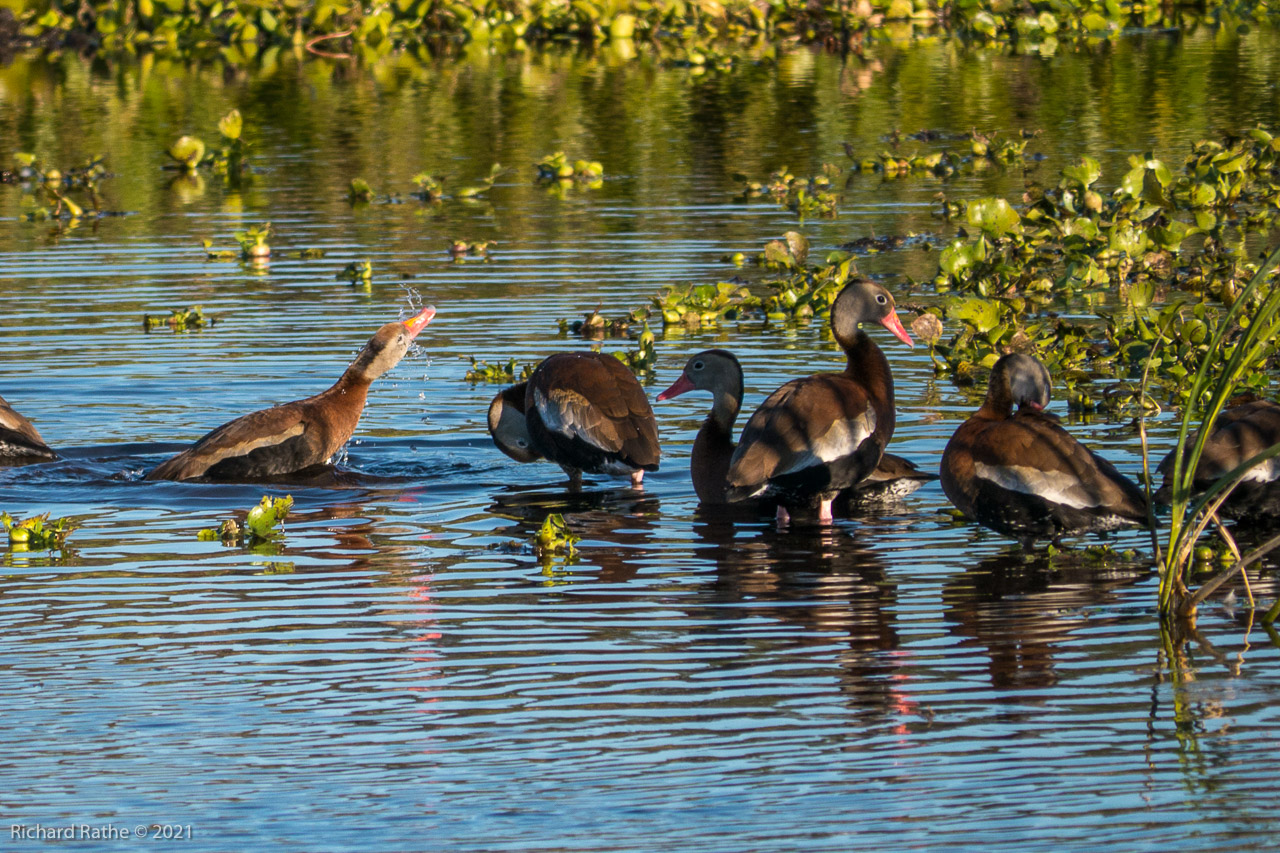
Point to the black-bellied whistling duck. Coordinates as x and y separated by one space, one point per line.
295 436
583 411
20 441
823 433
1024 476
1240 433
717 371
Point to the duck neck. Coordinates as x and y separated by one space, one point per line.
724 410
867 364
348 395
998 405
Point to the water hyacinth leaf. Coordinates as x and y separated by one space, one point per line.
798 244
994 216
1084 173
1141 293
188 151
264 517
231 125
982 314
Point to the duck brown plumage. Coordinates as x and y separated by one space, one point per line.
1240 433
817 435
20 441
719 372
294 436
584 411
1023 475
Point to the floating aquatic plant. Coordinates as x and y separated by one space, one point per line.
504 372
595 326
189 153
253 242
695 305
263 525
557 166
37 533
460 249
179 320
359 190
643 357
555 538
56 186
356 272
805 196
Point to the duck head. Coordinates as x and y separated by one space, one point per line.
1020 380
864 301
507 424
388 345
714 370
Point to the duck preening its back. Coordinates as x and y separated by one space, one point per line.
582 410
1023 475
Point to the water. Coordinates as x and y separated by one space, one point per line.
403 673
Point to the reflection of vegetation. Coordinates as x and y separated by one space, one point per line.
56 186
327 27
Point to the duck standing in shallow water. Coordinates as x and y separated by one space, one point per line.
1239 434
294 436
1024 476
20 441
584 411
817 435
719 372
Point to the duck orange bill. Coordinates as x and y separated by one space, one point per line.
684 383
418 323
893 324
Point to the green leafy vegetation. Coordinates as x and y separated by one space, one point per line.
555 538
503 372
261 530
37 533
179 320
330 28
49 190
1238 347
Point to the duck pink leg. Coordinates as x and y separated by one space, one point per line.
824 512
637 480
784 517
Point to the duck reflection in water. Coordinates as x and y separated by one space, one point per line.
823 581
1021 609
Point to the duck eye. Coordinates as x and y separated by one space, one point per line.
521 443
697 365
882 299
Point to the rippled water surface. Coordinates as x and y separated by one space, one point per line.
404 673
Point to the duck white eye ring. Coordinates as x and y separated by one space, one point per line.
697 365
882 299
521 443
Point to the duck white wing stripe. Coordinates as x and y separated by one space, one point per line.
1055 486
